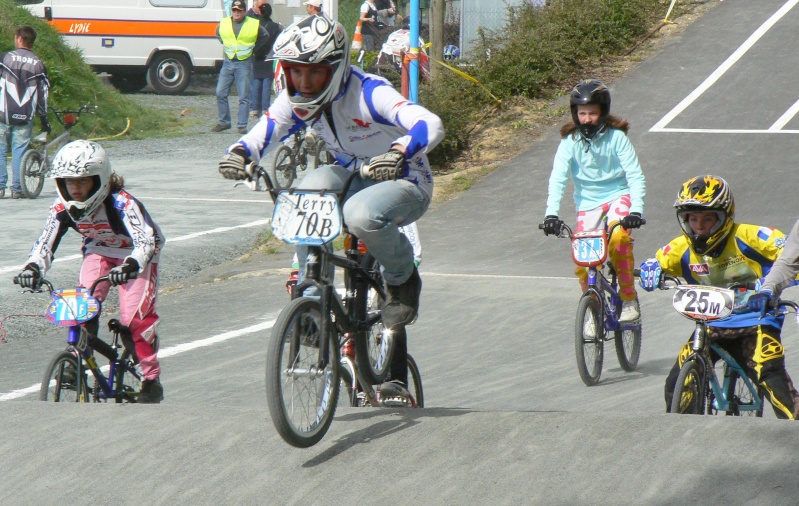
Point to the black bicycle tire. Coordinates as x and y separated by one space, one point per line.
590 378
82 392
698 404
281 418
365 359
31 192
127 389
283 174
416 377
734 397
628 361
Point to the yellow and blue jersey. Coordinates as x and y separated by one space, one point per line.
748 255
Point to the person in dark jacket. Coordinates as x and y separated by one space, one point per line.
263 71
23 94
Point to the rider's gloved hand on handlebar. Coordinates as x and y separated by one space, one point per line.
30 277
552 225
122 273
632 220
233 164
386 167
45 123
762 301
651 274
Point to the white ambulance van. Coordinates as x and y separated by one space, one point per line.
160 42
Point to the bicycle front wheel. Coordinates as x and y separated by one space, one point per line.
628 348
283 168
301 396
31 174
588 345
61 382
741 399
415 382
689 392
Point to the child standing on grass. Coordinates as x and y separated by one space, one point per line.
608 182
120 240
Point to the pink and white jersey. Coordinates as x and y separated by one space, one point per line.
119 228
368 117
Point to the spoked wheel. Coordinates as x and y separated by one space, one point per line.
628 347
301 397
31 174
415 382
283 170
689 393
61 382
128 381
742 402
588 344
374 349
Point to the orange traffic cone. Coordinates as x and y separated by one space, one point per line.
357 39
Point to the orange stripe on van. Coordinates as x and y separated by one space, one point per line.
111 27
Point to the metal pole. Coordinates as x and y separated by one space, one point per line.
413 87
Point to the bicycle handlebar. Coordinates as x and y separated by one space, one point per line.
564 227
49 285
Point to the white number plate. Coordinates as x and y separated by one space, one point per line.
703 302
306 218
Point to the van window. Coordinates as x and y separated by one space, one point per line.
178 3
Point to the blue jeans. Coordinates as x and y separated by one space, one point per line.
241 71
374 211
260 94
19 137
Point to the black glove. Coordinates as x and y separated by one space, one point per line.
233 164
632 220
386 167
122 273
30 277
45 124
552 225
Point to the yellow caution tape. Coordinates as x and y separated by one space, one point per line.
666 19
120 134
467 77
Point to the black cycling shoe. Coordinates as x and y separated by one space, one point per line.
394 394
402 303
151 392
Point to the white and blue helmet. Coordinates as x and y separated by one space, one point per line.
81 159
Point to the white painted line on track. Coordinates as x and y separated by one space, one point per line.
785 118
15 268
196 199
168 352
660 126
493 276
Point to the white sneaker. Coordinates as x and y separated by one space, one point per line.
629 311
589 329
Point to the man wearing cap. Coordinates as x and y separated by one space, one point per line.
241 36
313 7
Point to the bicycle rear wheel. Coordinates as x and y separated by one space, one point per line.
628 347
690 390
415 382
61 382
31 174
374 348
301 397
588 344
739 396
283 168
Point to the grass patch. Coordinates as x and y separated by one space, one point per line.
267 243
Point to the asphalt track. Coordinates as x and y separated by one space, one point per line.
507 419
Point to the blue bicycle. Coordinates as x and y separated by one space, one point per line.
698 390
599 307
65 379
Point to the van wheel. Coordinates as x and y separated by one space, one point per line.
128 83
169 73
